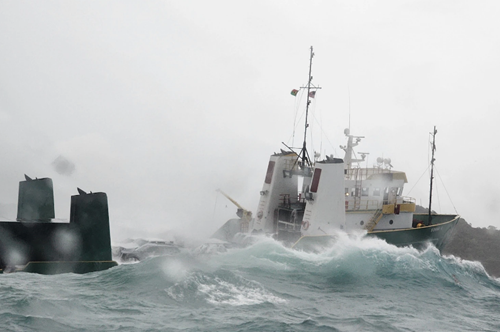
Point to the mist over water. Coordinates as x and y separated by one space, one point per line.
357 284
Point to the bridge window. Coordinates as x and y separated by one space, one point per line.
364 191
376 192
315 181
270 170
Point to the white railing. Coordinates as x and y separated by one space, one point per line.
363 205
364 173
375 204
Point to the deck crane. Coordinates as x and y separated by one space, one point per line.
244 214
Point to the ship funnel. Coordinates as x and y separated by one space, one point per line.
89 215
36 200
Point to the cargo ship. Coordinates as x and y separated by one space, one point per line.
306 203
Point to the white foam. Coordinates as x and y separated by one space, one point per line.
223 292
228 290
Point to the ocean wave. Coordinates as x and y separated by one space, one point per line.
350 260
355 284
223 287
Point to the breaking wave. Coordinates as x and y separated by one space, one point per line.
357 284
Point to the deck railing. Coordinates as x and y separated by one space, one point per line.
364 173
350 205
363 205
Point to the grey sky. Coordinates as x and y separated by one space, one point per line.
159 103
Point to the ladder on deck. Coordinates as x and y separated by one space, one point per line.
357 189
374 220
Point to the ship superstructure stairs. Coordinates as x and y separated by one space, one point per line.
370 226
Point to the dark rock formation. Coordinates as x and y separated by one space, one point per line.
476 244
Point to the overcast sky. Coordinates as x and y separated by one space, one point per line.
159 103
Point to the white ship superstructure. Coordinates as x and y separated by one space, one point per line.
374 195
334 195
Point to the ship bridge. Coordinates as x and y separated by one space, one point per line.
374 173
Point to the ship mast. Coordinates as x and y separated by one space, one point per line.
432 173
306 162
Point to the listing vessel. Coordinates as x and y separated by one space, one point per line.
306 204
37 242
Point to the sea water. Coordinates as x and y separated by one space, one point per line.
355 285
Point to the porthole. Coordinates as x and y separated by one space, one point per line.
391 221
361 222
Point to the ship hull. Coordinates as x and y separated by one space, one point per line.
436 234
63 267
33 243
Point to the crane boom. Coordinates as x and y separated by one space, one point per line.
232 200
244 214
